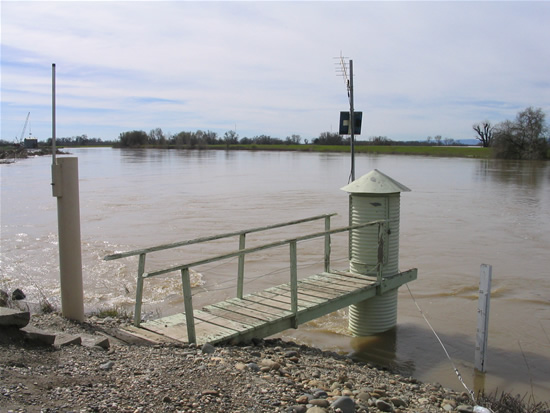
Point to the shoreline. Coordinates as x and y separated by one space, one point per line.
442 151
268 375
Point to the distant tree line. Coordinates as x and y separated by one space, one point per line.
199 139
202 139
330 138
81 140
526 137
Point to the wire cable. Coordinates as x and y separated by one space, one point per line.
470 392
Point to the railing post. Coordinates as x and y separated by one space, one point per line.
139 290
240 277
187 300
327 244
293 282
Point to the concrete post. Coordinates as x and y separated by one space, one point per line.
65 189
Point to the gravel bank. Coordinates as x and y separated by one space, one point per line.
265 376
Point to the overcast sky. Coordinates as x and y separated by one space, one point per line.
421 68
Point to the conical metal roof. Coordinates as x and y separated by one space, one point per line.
375 182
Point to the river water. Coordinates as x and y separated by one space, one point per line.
460 214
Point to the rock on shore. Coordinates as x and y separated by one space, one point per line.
265 376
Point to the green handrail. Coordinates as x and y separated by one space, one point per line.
211 238
186 284
242 236
241 253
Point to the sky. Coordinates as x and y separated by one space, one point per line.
420 68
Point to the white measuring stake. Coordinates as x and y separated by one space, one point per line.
486 274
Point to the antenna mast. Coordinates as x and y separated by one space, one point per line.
342 70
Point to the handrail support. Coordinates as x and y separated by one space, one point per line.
294 282
327 244
139 290
240 275
188 303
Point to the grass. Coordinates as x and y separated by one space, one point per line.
440 151
506 403
113 312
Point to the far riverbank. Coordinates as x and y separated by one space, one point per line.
436 151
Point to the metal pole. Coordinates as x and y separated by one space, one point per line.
352 121
53 115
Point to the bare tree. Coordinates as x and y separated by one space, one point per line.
156 137
231 137
484 132
525 138
293 139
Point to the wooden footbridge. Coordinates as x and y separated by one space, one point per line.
275 309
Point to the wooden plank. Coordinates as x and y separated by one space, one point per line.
168 321
323 285
315 293
209 317
343 282
139 336
319 290
358 280
331 280
237 317
267 302
354 275
174 326
268 312
247 311
282 297
274 299
307 300
331 305
331 283
254 325
285 290
260 308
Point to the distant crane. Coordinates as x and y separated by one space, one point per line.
24 128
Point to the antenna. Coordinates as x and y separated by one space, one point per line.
342 70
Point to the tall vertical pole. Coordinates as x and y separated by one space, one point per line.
65 189
53 115
352 121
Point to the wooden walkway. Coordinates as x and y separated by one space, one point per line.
273 310
268 312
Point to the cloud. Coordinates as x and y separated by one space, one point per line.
421 68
